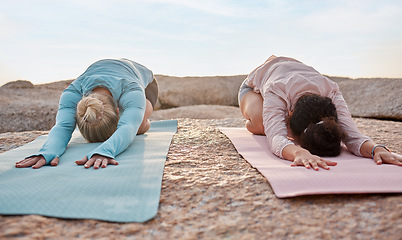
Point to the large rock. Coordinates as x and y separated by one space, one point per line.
198 112
373 97
186 91
18 84
26 107
366 97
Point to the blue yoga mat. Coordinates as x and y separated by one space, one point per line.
128 192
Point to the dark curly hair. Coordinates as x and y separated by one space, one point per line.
315 123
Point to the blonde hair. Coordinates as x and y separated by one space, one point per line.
97 117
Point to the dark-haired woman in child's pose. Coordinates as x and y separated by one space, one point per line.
287 100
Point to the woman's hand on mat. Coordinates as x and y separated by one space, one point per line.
35 162
308 160
314 162
302 157
97 161
387 157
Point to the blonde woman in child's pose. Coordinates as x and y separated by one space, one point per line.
111 103
287 100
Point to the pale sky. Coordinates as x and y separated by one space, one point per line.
50 40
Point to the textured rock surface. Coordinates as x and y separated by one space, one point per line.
26 107
185 91
32 108
376 98
19 84
198 112
210 192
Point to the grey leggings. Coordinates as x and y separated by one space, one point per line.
151 92
244 88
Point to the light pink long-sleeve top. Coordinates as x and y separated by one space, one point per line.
281 82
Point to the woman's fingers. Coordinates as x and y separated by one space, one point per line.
324 165
303 162
35 162
316 164
388 157
40 163
97 161
398 160
21 163
377 159
27 162
55 161
104 162
113 162
329 163
90 162
82 161
306 164
391 158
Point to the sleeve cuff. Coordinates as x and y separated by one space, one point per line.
358 152
99 153
287 144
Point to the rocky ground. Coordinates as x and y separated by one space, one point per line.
208 190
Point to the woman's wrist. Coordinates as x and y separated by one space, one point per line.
291 151
379 148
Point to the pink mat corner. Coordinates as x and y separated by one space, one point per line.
352 174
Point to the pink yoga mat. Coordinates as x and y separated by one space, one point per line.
352 174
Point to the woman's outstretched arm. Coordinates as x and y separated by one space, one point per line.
98 160
133 104
380 153
358 143
59 135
